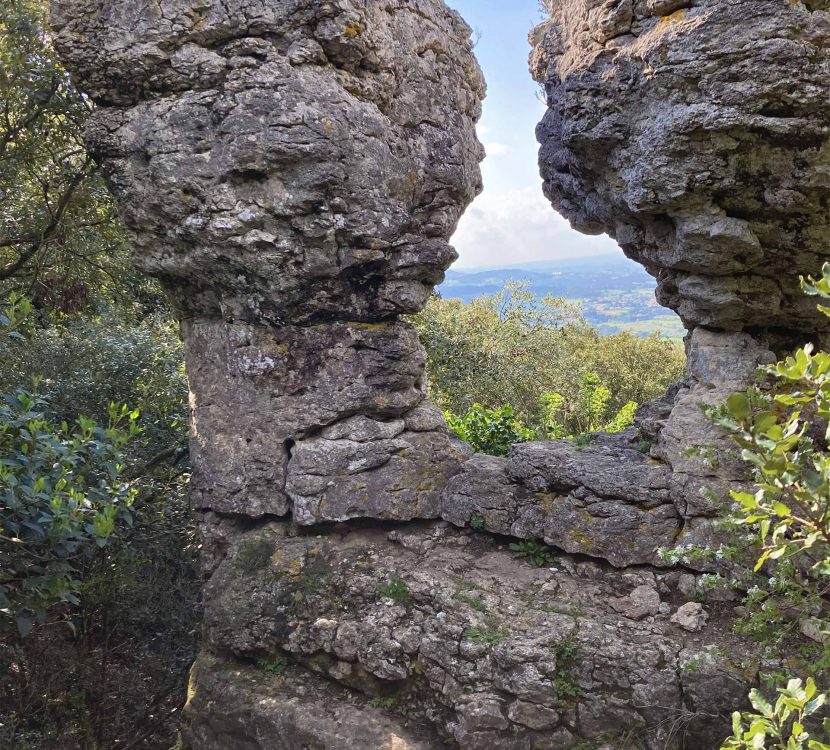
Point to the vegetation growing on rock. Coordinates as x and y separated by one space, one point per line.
292 173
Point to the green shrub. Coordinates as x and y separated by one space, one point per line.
512 347
490 431
783 433
396 590
61 493
589 412
87 361
535 552
623 419
273 665
61 496
783 722
491 634
568 658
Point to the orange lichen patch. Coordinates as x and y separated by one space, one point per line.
677 16
328 125
547 500
354 30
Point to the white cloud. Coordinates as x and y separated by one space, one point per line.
494 148
520 226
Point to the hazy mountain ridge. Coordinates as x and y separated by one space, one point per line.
615 293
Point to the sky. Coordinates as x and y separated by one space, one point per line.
511 221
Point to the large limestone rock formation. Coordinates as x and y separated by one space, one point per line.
292 170
697 133
462 644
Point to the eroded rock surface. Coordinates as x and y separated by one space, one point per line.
292 171
607 500
697 134
450 634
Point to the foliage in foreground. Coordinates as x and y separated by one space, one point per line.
132 603
783 722
98 333
61 495
783 433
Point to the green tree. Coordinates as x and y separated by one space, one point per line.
497 349
61 495
513 347
589 412
60 241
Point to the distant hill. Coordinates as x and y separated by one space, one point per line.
614 292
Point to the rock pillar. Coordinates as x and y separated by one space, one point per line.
697 134
292 171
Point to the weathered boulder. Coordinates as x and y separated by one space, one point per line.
606 500
282 160
452 636
697 134
291 170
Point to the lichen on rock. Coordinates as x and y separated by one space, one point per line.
484 649
292 171
696 134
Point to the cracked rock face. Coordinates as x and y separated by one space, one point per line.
283 160
459 643
292 170
697 134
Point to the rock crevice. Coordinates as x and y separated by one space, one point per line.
292 171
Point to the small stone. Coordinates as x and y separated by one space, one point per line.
532 716
687 585
643 602
812 629
692 617
306 51
481 713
